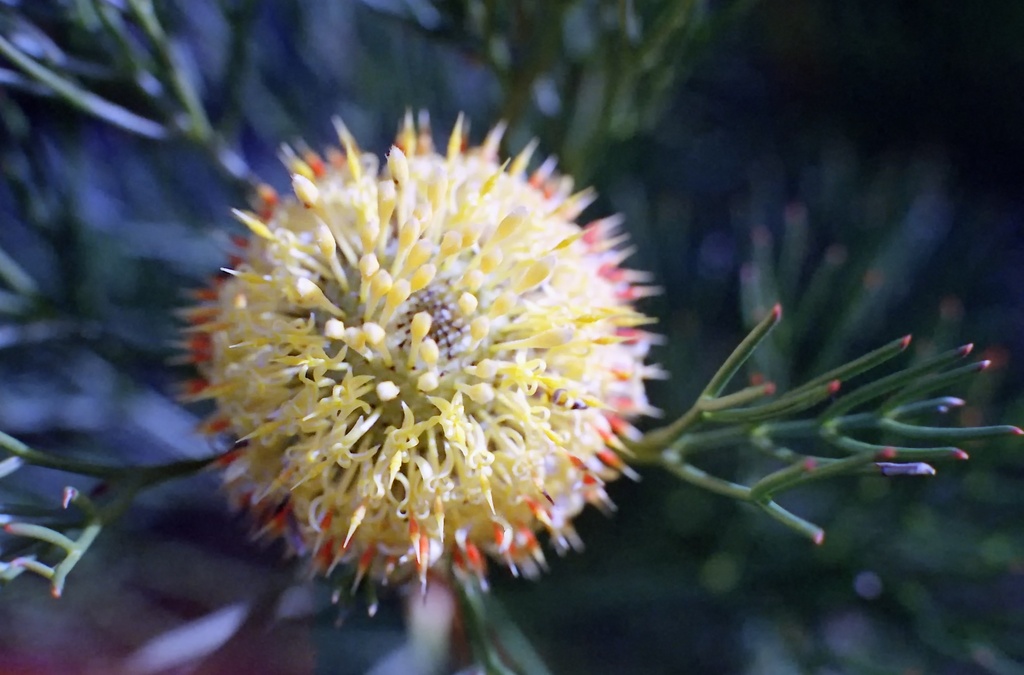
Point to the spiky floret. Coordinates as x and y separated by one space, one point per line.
423 363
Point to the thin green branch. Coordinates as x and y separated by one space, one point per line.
809 428
240 18
739 398
707 440
78 97
932 383
932 405
855 446
43 534
9 571
655 441
156 70
474 614
860 365
762 501
894 382
82 544
199 128
785 405
45 460
145 475
761 426
30 564
136 59
739 356
805 470
778 481
793 521
923 433
701 478
73 549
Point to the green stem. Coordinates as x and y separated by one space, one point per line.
75 549
85 540
761 500
41 533
703 479
933 405
199 125
788 404
860 365
932 383
810 428
742 352
657 440
716 438
474 615
114 25
894 382
145 475
80 98
946 433
240 18
34 566
741 397
791 520
37 458
765 488
806 469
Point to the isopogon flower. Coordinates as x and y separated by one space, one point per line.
425 363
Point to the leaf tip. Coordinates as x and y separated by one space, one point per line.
905 341
769 388
906 469
834 386
966 349
777 312
70 494
886 454
818 537
960 455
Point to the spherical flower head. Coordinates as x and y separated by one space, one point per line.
425 363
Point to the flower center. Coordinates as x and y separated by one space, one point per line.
448 327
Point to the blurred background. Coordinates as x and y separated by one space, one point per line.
861 162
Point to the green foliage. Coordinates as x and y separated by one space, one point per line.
580 76
40 531
765 427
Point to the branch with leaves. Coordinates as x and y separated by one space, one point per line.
137 52
886 406
583 75
41 532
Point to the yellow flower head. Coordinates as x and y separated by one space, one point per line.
425 363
